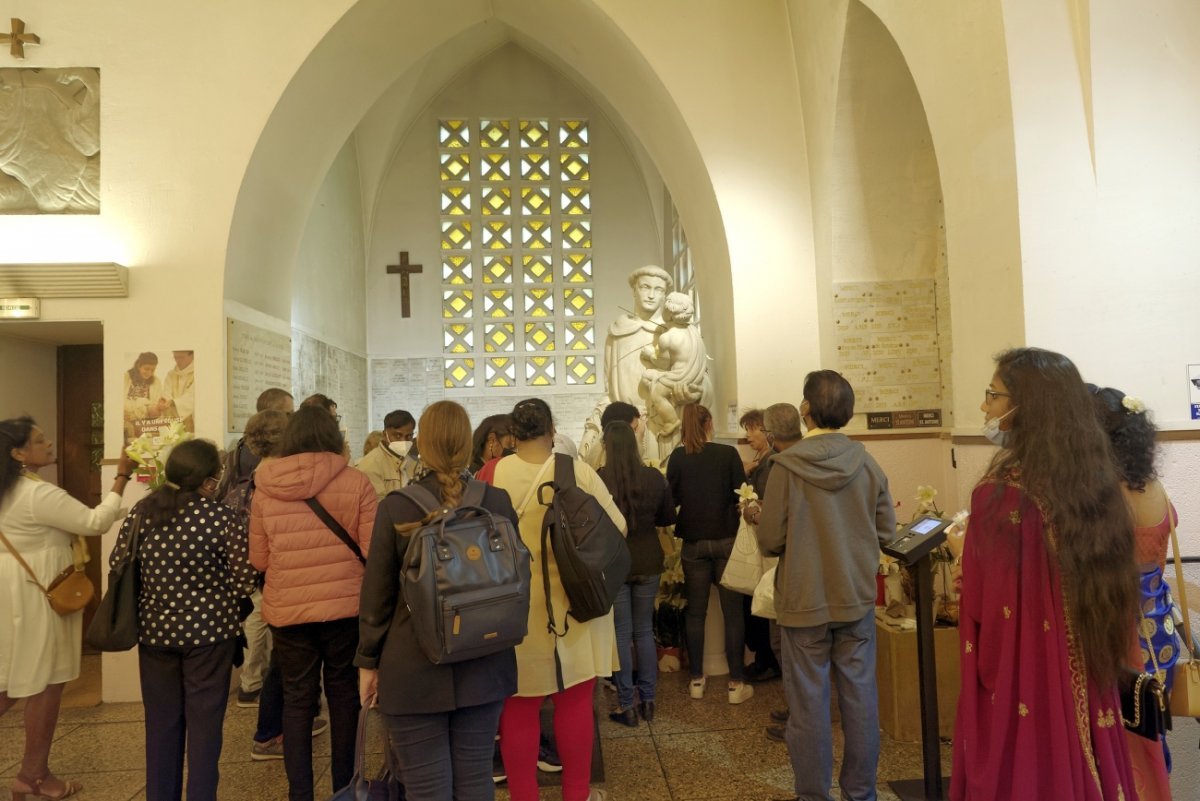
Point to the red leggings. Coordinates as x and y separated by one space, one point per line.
574 730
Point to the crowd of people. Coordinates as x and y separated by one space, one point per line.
284 558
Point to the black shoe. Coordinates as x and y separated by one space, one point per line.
775 733
757 673
646 708
780 715
626 717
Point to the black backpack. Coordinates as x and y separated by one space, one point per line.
465 578
593 560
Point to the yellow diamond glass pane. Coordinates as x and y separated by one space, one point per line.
577 233
535 234
537 269
573 133
494 133
458 338
453 133
455 166
580 335
498 337
456 269
456 200
535 200
494 167
456 234
500 372
539 302
539 371
497 270
459 373
581 369
577 267
539 336
497 234
575 201
497 303
573 167
496 200
578 302
457 302
535 167
535 133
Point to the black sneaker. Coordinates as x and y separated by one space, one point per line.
548 761
780 715
247 700
756 674
776 733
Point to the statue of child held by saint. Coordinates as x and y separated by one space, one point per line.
676 367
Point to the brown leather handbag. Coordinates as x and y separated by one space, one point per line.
1185 692
70 591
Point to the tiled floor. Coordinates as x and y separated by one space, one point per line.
694 750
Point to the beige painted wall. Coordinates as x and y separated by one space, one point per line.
31 385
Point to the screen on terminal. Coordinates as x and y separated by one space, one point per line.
925 526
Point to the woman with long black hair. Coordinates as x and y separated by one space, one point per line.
642 495
193 569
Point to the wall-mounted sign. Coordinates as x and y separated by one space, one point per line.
20 308
1194 390
917 418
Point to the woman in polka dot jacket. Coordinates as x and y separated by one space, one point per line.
193 565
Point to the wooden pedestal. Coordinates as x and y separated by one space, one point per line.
899 682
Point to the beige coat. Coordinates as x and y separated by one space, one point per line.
589 649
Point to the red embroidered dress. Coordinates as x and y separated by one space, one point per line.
1030 725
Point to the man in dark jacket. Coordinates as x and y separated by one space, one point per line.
825 513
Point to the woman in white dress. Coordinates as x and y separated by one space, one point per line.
39 649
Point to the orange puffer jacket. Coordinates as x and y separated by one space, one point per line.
312 576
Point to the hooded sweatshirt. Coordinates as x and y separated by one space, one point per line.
826 511
312 575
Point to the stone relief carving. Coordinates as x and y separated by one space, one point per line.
50 141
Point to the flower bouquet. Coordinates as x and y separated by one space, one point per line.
151 449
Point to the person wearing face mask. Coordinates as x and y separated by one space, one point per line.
192 557
1049 595
391 465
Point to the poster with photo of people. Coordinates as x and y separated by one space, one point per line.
158 391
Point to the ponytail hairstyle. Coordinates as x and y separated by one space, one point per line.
14 433
622 463
531 419
190 464
696 420
445 434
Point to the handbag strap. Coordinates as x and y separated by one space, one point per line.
22 562
1180 588
336 527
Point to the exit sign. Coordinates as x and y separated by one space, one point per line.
20 308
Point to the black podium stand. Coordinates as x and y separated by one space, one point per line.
913 548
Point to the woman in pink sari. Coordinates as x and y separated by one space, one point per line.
1049 598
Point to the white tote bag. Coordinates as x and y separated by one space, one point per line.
763 602
745 565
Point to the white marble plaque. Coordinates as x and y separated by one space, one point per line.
255 359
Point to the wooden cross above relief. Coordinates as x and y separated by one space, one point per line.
405 270
19 38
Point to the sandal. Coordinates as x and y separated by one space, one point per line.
33 788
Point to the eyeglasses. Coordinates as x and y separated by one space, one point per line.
990 395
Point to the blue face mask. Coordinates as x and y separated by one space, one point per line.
991 430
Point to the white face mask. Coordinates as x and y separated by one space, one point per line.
991 430
400 447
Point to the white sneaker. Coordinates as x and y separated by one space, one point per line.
596 794
740 692
696 687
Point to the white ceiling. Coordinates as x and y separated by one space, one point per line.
74 332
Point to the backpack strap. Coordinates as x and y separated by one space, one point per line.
551 626
425 500
564 471
473 496
337 528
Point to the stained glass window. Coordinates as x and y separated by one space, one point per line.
516 239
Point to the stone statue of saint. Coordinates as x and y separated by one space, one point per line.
49 141
623 369
676 371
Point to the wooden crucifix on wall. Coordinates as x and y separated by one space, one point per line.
18 38
405 270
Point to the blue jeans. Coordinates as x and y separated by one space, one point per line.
446 755
808 654
634 621
703 563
